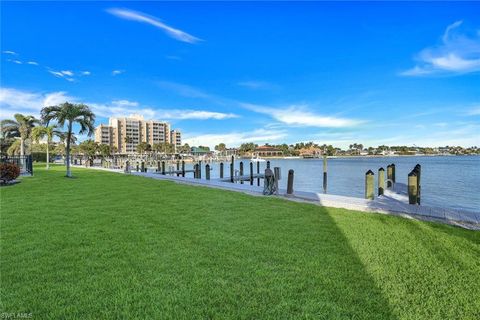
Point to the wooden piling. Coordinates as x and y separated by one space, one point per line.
277 173
419 186
232 166
389 176
412 188
221 170
324 174
142 166
138 168
241 171
393 172
369 185
207 172
268 164
251 173
381 181
127 166
258 172
200 169
178 168
163 167
183 168
290 182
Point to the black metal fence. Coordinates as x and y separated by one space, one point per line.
25 163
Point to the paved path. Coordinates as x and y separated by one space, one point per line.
393 202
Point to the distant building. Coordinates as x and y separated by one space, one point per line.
197 151
310 152
267 151
125 133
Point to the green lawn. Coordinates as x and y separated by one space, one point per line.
107 245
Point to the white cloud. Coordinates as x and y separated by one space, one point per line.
15 61
17 101
458 53
117 72
231 139
195 114
33 63
85 73
125 103
67 73
300 116
144 18
13 53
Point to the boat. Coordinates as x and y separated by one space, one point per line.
257 159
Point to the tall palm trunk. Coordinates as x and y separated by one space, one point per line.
22 147
67 149
48 155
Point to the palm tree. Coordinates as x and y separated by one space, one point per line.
49 132
21 127
69 113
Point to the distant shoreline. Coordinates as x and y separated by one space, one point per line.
368 156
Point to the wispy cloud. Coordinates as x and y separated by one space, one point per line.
458 53
256 85
64 74
475 111
299 115
15 61
184 90
13 53
144 18
33 63
85 73
117 72
195 114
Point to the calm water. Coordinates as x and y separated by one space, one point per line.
450 182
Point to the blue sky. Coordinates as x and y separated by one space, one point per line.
336 73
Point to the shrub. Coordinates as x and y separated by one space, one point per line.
8 172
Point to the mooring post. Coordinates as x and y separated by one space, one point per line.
232 167
290 182
277 173
163 167
419 187
393 173
138 168
159 168
127 167
258 172
389 176
142 166
183 168
178 168
412 188
325 174
381 181
369 185
207 172
221 170
200 169
251 173
268 164
241 172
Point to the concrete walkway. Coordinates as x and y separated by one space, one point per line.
393 202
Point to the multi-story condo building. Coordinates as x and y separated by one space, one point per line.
127 132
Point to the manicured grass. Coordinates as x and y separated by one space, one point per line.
106 245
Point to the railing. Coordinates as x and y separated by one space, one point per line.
25 163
